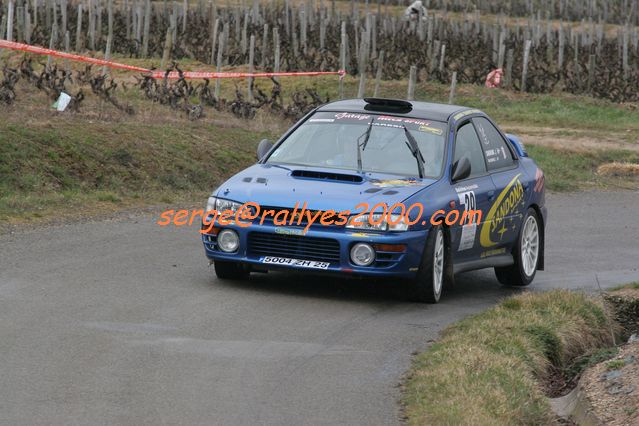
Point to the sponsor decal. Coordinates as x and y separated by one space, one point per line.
394 126
493 252
361 234
466 188
507 203
349 116
432 130
290 231
395 182
467 239
321 120
463 114
403 120
483 136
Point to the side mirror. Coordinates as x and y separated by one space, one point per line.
461 169
263 148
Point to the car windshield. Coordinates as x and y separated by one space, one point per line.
332 140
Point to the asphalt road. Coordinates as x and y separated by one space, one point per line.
122 322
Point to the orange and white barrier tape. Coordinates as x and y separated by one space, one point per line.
4 44
213 75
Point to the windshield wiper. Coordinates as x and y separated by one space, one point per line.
362 146
414 149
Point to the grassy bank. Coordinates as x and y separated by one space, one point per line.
71 167
569 170
491 368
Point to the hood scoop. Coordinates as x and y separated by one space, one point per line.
339 177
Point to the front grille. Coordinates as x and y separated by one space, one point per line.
293 246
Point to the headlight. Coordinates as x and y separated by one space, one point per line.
378 222
222 205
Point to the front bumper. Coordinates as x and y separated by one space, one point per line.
321 243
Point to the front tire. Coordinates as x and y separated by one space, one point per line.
526 254
428 284
230 270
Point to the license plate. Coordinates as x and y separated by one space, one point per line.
294 262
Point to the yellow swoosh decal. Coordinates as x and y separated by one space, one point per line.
484 236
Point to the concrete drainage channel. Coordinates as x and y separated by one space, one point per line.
577 406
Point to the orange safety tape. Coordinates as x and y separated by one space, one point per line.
212 75
49 52
4 44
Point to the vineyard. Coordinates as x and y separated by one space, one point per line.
580 47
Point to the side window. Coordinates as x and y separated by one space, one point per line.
467 144
497 153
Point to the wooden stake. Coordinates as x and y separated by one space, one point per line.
78 30
442 57
591 73
276 59
147 27
251 67
10 21
63 14
168 44
107 52
453 85
265 34
524 71
508 78
27 25
363 62
378 76
218 68
412 77
214 35
342 58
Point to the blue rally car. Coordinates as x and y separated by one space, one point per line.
393 176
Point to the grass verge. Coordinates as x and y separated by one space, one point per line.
491 368
632 286
71 167
568 170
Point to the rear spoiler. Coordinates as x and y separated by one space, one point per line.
517 144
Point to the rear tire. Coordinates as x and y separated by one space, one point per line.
428 284
526 254
230 270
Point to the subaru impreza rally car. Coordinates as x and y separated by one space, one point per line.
416 163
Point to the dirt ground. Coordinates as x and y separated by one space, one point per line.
612 387
614 393
575 140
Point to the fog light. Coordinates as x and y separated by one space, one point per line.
228 240
362 254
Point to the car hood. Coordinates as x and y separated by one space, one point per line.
322 189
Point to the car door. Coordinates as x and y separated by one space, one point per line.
473 193
501 225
